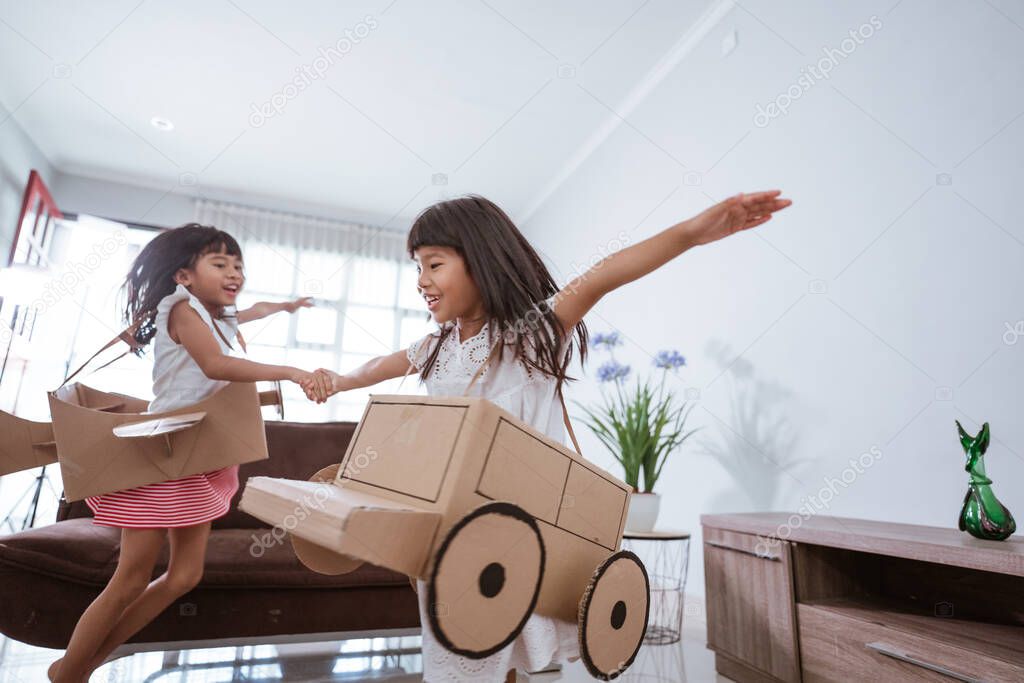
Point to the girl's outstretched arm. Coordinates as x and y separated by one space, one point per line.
742 212
197 338
264 308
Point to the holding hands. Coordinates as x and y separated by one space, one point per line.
321 384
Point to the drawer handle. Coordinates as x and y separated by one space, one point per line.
761 556
890 651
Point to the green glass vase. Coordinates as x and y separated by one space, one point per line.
982 515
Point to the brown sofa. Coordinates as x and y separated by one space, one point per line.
250 589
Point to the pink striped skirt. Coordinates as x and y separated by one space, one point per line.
194 499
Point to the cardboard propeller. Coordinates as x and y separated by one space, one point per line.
317 557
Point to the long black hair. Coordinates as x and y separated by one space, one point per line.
151 276
513 281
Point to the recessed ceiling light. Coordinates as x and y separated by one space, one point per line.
160 123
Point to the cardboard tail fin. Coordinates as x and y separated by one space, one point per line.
25 444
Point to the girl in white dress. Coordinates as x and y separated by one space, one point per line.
499 309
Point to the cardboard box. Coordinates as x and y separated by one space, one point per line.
491 513
105 443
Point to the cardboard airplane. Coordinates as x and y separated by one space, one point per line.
106 442
498 519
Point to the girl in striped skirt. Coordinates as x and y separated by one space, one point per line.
182 289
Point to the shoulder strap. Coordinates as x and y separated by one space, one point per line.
568 424
238 335
127 335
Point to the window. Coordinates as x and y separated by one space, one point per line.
361 311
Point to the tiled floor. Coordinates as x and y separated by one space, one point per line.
378 659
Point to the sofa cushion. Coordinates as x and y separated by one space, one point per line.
79 551
76 550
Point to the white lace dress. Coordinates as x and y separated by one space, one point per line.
531 397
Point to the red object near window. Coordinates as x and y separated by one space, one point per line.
35 224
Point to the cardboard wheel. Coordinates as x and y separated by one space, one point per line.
316 557
613 615
485 580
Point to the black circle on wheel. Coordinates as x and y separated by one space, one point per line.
495 581
492 580
618 615
619 598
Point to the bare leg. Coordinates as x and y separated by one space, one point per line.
185 569
139 550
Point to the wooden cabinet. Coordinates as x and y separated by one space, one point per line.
852 600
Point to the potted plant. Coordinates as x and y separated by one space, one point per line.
640 425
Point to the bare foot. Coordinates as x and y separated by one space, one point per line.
51 673
54 671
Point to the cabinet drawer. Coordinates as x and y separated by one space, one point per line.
838 647
749 600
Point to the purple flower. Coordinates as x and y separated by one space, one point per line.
669 360
608 340
612 372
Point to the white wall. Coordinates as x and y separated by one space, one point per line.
18 156
870 314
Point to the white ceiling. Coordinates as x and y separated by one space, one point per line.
499 96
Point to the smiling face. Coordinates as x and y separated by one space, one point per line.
215 278
446 285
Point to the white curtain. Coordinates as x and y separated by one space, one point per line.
249 224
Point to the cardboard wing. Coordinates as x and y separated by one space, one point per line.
25 444
346 522
93 460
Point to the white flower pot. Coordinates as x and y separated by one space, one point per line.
643 511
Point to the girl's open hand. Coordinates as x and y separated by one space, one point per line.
741 212
304 302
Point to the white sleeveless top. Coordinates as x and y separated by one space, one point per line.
178 380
